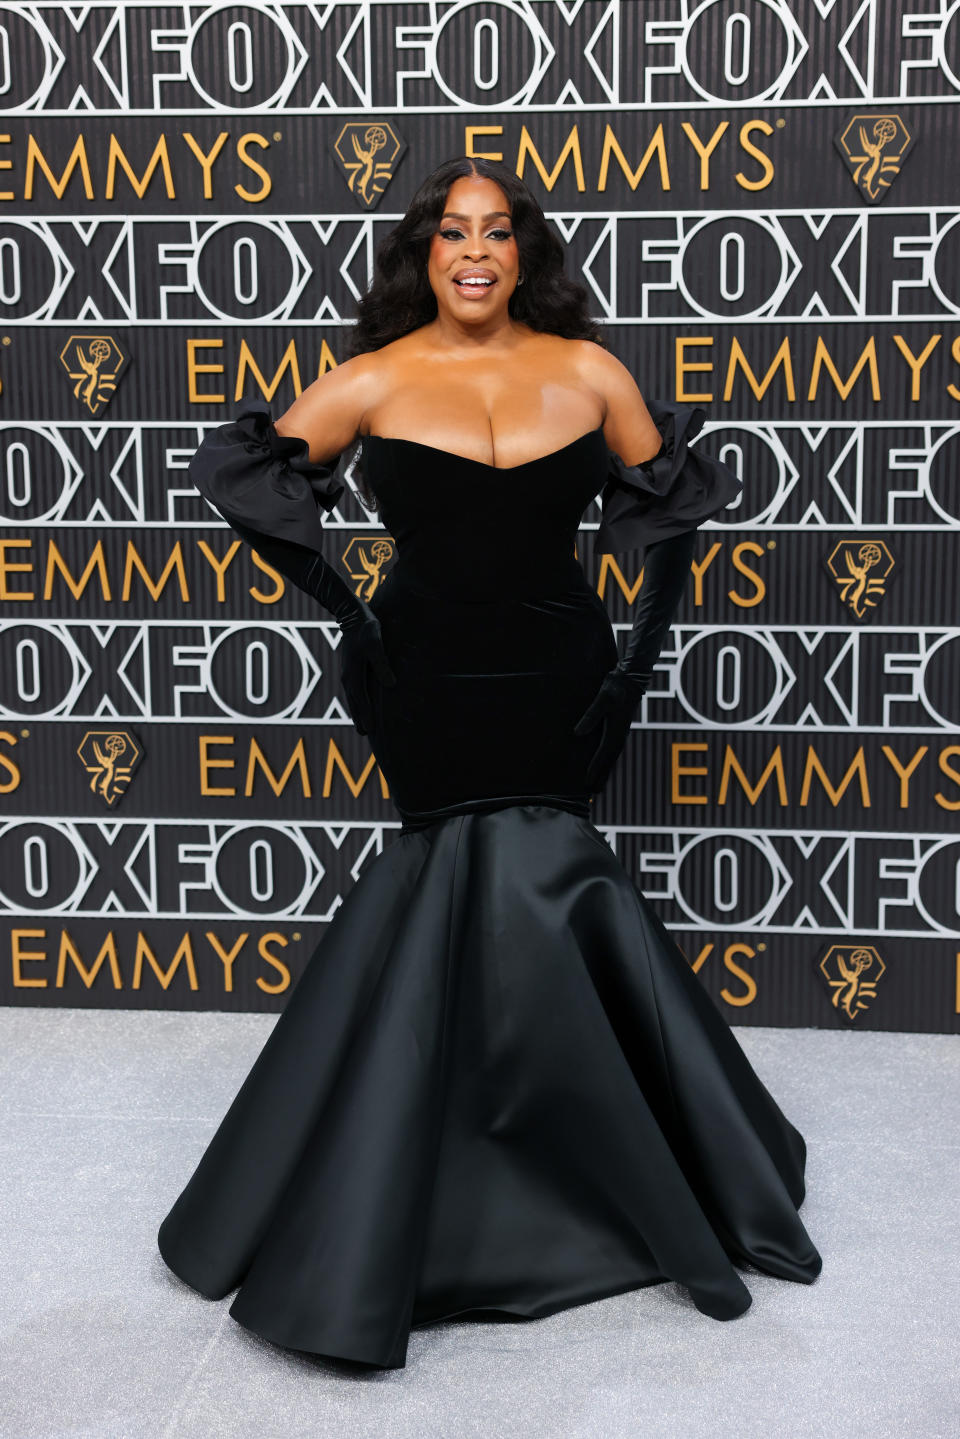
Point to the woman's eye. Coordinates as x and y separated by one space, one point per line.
456 234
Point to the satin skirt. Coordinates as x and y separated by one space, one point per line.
497 1088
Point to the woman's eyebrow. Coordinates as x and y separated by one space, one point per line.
451 215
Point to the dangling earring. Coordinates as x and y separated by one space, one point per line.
519 280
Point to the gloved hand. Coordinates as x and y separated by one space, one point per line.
270 492
362 654
666 569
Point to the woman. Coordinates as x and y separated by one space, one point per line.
497 1088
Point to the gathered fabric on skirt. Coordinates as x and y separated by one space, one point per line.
498 1085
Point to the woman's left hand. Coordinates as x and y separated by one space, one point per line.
612 711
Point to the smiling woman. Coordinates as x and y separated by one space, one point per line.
462 234
498 1086
469 215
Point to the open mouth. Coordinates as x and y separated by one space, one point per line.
475 286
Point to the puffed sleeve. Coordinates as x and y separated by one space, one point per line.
675 491
264 484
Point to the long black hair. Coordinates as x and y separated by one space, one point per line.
400 298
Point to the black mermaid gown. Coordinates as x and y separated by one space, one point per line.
498 1087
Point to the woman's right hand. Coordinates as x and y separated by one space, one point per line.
362 659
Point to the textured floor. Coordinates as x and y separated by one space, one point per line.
103 1115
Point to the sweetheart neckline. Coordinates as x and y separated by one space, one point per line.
503 469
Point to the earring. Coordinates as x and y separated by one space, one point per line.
519 280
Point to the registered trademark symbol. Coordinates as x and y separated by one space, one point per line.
771 544
6 339
297 935
24 733
761 945
277 135
780 123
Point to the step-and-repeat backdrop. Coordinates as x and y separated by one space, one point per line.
761 197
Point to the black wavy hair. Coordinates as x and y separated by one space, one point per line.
400 298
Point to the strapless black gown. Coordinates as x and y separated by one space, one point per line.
498 1087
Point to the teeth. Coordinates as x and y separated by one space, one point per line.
474 282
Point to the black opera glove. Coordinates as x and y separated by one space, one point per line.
269 491
655 507
666 569
361 643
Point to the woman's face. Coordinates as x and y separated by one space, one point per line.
474 239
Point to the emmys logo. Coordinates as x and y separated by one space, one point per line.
109 757
860 569
874 147
369 155
845 968
94 363
365 560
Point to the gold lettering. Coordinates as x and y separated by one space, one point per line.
857 766
165 976
572 147
20 956
97 561
700 568
611 146
206 161
916 364
677 749
107 950
219 567
747 547
207 763
277 963
704 151
474 130
823 360
174 563
903 772
731 765
760 387
194 369
952 390
734 968
6 165
6 763
8 566
159 157
746 130
253 196
288 361
298 760
684 366
335 760
946 756
226 957
78 156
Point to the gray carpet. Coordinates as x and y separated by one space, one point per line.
104 1115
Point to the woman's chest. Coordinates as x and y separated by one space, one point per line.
502 426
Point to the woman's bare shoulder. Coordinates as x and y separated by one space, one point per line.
598 365
627 426
329 413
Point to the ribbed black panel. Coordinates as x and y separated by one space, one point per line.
177 770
